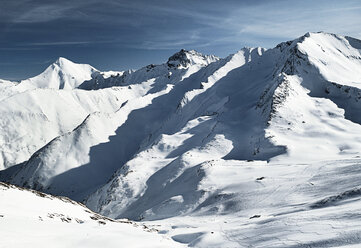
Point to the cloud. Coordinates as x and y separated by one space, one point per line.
67 43
19 48
39 11
281 20
43 14
59 43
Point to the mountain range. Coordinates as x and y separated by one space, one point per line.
261 148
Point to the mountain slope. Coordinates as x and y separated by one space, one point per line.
32 118
36 219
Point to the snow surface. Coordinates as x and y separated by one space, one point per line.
254 204
34 219
260 148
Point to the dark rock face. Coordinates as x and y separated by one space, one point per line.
178 59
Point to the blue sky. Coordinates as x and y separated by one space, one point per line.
118 34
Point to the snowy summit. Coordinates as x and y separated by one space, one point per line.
62 74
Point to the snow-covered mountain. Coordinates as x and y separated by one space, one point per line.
208 148
97 127
282 106
62 74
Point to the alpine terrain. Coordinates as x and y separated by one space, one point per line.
258 149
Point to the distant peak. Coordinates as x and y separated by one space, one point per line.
318 37
66 64
309 34
62 60
186 58
181 56
184 52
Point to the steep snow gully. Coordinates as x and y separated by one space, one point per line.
258 149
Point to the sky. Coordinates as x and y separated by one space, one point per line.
120 35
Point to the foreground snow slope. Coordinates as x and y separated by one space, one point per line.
33 219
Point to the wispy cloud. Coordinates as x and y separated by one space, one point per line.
43 14
67 43
279 21
19 48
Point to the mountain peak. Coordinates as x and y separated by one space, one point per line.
63 61
318 37
62 74
185 58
